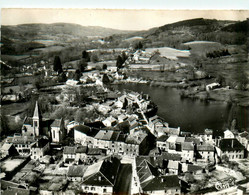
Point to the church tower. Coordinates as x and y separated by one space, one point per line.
36 120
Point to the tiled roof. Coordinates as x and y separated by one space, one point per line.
173 164
193 168
86 130
187 146
56 123
41 143
162 138
205 147
193 139
6 146
81 149
162 183
69 150
102 173
104 135
76 171
230 145
28 121
146 170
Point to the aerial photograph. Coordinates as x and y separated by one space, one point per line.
124 102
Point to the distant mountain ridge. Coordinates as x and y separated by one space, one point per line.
36 29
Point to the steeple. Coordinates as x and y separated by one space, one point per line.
36 120
36 111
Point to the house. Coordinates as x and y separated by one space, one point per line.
168 184
192 169
171 141
81 153
76 173
232 148
69 154
188 151
206 152
122 118
243 138
40 148
85 135
151 181
161 143
71 125
207 136
228 134
137 143
100 177
212 86
57 130
173 167
109 121
22 144
7 149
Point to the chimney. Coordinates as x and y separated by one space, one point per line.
232 143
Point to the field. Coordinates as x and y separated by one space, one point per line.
200 48
170 53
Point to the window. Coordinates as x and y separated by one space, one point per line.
93 188
53 134
86 188
35 123
104 190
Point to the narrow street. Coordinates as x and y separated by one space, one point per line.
123 182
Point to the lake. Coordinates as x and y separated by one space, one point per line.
191 115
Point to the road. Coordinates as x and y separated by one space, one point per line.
123 182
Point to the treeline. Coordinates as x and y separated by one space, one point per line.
218 53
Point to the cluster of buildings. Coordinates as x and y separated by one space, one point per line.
39 161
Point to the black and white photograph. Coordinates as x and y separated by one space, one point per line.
124 101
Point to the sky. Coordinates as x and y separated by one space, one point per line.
141 15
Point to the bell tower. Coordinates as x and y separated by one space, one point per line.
36 120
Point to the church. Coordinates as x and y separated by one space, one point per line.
37 126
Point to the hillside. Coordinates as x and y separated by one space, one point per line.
199 29
42 35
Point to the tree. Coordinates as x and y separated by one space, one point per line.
225 158
77 75
37 83
82 64
85 55
119 62
94 58
138 45
3 125
104 67
124 56
62 77
105 79
57 64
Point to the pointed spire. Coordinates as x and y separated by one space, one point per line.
36 112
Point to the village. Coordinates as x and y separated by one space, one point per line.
124 148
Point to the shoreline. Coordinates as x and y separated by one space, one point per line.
188 91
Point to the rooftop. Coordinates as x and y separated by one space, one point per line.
187 146
162 183
69 150
230 145
76 171
56 123
162 138
205 147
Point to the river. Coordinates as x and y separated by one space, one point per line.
192 115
